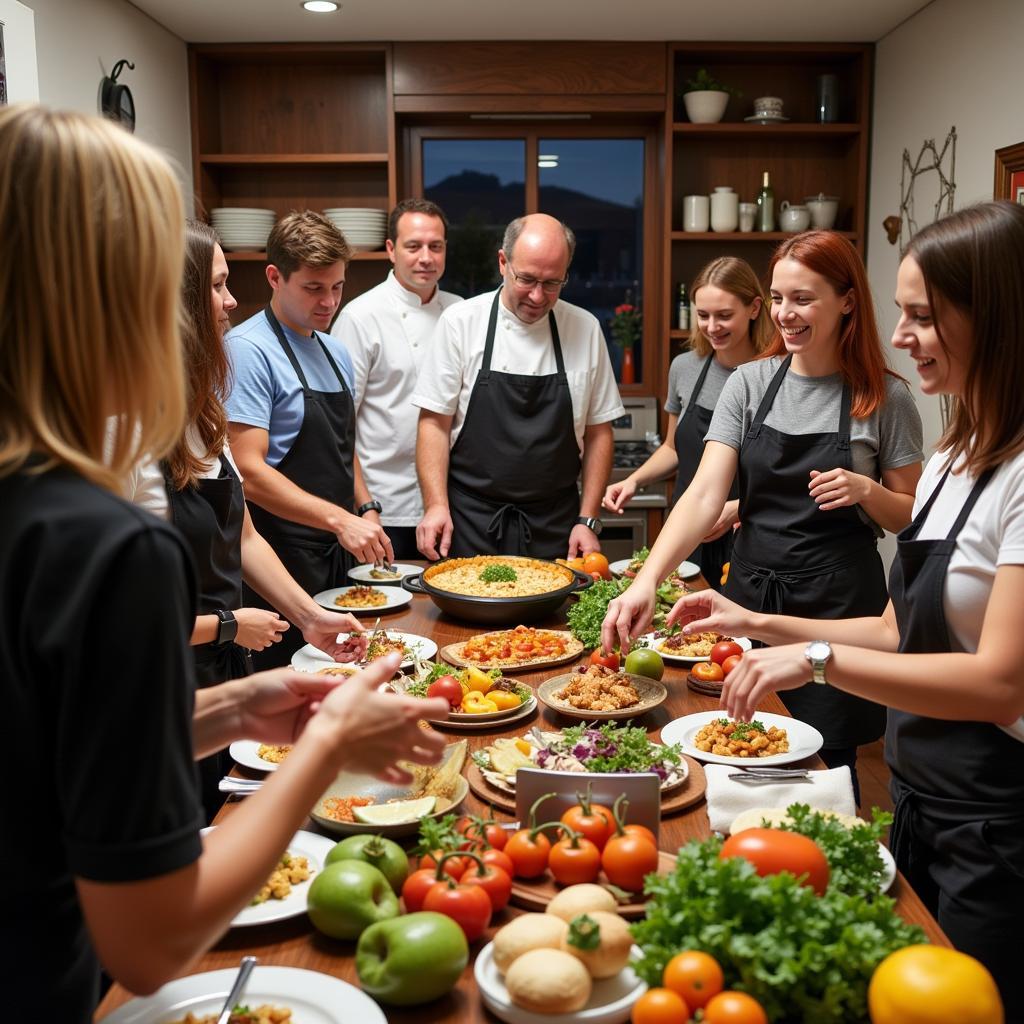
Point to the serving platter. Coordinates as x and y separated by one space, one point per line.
453 653
393 598
650 691
312 659
804 739
653 641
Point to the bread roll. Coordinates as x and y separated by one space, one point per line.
582 899
548 981
530 931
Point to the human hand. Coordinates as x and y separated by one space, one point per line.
436 523
364 538
372 730
761 672
275 706
616 495
258 628
838 488
728 518
323 629
582 541
708 611
628 615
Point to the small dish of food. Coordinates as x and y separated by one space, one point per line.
770 739
376 574
362 599
691 649
595 692
261 757
413 646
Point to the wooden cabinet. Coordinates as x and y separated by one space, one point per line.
290 127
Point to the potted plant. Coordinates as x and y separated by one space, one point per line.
626 326
706 98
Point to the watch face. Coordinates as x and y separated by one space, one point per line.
819 650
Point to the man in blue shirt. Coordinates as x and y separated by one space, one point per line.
292 419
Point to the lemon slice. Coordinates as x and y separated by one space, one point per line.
394 813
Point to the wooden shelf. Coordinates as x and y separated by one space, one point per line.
740 130
261 257
743 236
292 159
681 335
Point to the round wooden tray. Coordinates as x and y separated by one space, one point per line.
688 794
651 693
449 655
537 894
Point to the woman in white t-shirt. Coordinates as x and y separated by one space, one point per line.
947 655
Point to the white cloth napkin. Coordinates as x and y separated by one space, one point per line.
828 790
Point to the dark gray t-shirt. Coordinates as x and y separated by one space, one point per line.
889 438
682 376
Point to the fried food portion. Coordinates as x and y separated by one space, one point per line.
340 807
741 739
274 753
599 689
361 597
696 645
289 871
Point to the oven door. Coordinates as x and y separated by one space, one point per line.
622 535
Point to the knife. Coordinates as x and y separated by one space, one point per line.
241 980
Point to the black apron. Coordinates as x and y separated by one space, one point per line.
512 471
791 558
210 516
958 787
320 461
691 429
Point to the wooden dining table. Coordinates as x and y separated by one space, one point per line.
295 943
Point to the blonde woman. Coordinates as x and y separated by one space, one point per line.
733 326
97 601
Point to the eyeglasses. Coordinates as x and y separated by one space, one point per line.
529 283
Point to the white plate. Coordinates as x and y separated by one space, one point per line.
246 753
303 844
470 723
312 659
361 574
313 997
395 598
260 210
888 869
653 641
611 1000
686 569
766 118
804 739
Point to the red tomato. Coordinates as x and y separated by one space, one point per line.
731 662
448 687
498 859
707 672
573 861
626 859
772 850
415 888
598 657
734 1008
725 649
696 976
529 853
468 906
594 821
497 883
640 830
453 866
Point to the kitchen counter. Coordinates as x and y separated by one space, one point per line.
295 943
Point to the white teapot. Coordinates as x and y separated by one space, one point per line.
793 218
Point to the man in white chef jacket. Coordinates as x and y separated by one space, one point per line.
517 401
387 332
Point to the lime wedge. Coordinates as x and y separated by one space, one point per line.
396 812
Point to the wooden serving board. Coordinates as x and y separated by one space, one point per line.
689 793
449 654
536 894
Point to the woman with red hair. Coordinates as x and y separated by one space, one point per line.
828 445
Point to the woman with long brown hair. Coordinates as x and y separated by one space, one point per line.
827 445
947 654
732 327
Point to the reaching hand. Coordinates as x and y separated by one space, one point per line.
707 611
582 541
761 672
838 488
628 615
365 539
258 628
329 632
436 523
616 495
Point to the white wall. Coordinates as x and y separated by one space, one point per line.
79 41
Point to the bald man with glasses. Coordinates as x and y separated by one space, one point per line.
516 405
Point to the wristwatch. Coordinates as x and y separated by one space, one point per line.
370 506
818 652
591 523
228 628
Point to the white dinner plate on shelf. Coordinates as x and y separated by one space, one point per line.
394 597
313 998
804 739
686 569
653 642
312 659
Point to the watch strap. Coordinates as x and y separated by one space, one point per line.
590 522
227 629
369 506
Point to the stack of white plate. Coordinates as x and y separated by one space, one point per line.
242 227
363 227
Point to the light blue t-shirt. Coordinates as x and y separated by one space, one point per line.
265 390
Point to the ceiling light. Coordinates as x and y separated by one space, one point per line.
320 6
547 161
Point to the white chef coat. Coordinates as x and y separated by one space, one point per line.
457 352
387 332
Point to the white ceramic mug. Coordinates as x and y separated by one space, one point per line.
696 213
793 218
748 214
823 210
725 210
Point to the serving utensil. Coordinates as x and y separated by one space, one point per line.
755 775
238 988
244 787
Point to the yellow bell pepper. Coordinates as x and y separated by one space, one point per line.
725 573
504 700
478 680
523 747
475 703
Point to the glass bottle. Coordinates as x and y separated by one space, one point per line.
683 308
765 205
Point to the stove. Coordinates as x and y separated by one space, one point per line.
636 438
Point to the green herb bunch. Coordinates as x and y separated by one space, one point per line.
587 614
497 573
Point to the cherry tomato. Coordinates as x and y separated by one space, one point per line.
598 657
772 850
415 888
593 820
468 906
730 663
574 859
660 1006
626 859
453 866
725 649
734 1008
642 831
695 976
497 883
448 687
498 859
529 853
707 672
595 562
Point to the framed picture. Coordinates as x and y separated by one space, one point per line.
1009 183
19 78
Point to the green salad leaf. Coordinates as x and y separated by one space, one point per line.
587 614
618 748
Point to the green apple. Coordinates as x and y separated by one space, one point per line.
411 959
348 896
642 661
382 853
